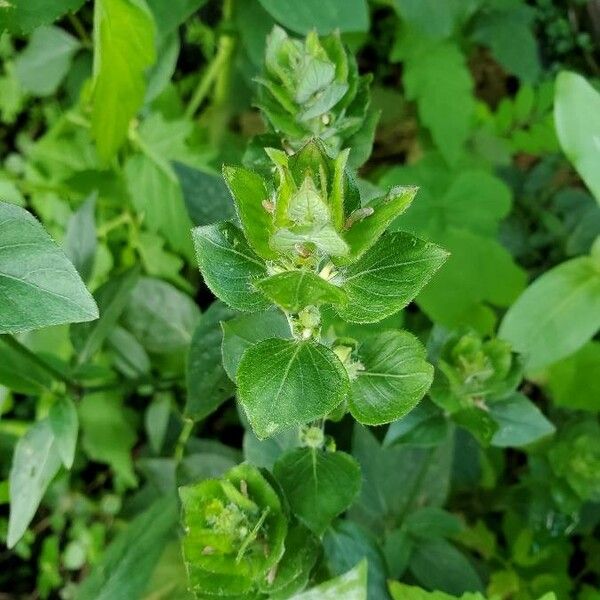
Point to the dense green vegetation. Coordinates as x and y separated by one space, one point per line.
300 299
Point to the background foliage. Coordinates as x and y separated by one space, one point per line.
117 116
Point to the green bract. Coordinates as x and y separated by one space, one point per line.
576 457
235 530
310 88
472 374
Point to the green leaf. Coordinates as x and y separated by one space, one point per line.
364 233
577 120
388 276
153 184
319 485
206 196
520 422
323 15
264 453
65 425
38 284
479 271
574 382
510 35
437 564
394 379
108 434
35 463
432 522
229 266
556 315
21 374
423 426
437 77
23 17
42 66
208 385
398 479
169 16
295 290
112 298
127 564
244 331
467 199
80 238
157 196
431 18
283 383
128 355
161 317
401 591
249 191
123 50
345 543
350 586
157 419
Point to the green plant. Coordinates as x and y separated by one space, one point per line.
299 300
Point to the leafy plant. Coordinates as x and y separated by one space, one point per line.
299 300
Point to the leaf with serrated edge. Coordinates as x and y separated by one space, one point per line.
229 266
365 232
283 383
388 276
394 380
249 192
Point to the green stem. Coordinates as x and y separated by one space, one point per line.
217 71
80 30
24 351
184 436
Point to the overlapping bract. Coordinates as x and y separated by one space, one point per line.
235 532
312 88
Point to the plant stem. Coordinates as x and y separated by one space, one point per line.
186 430
217 71
80 29
24 351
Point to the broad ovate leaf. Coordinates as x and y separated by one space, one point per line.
284 383
388 276
294 290
244 331
325 16
557 314
123 50
35 463
229 266
394 378
520 422
319 485
39 287
577 120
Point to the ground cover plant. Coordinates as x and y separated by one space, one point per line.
299 299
